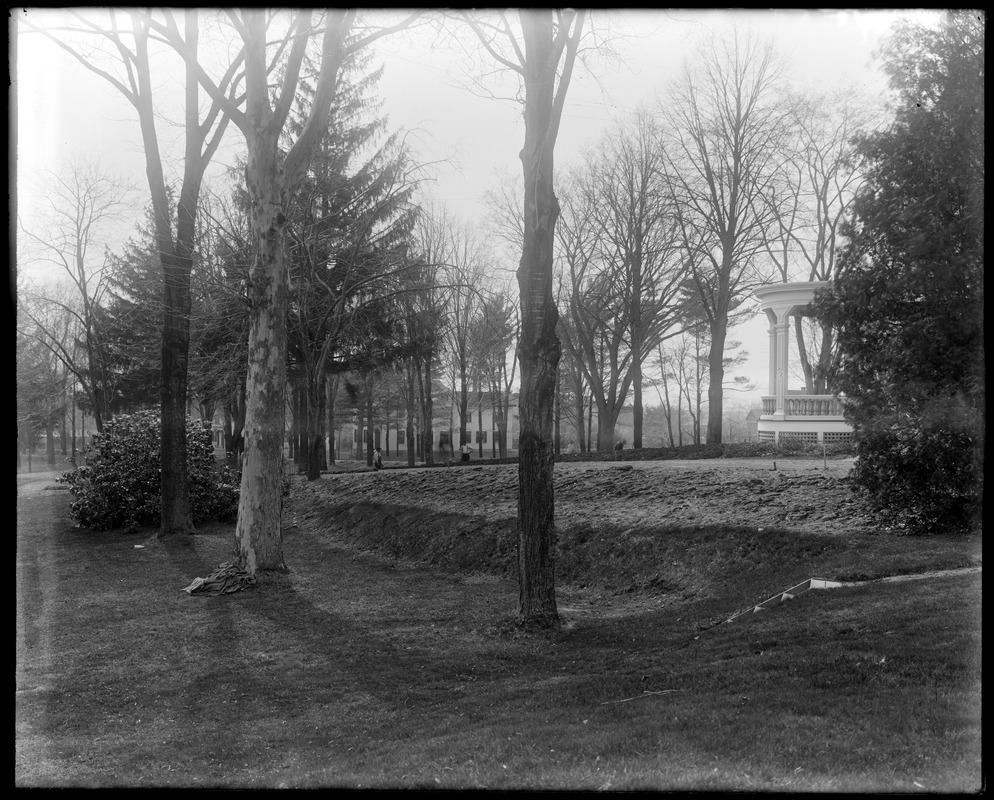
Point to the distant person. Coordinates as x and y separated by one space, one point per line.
377 459
465 450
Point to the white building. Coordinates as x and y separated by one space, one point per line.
790 412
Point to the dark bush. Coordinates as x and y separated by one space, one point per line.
119 484
927 478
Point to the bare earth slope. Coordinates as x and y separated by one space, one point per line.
723 533
810 496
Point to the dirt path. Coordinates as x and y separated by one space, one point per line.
40 515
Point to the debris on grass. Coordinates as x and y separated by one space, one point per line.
227 578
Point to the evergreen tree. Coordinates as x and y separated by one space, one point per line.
907 308
347 222
132 323
220 324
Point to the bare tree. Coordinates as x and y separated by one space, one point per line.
542 52
684 365
43 379
727 134
636 244
667 373
274 44
130 44
465 276
219 333
83 201
593 336
425 309
821 179
495 331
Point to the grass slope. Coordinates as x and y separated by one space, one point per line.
397 668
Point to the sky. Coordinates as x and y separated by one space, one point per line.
64 111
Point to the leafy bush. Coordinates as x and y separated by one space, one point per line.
928 477
119 484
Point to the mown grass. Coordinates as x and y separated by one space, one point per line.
358 670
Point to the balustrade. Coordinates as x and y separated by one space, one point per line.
806 405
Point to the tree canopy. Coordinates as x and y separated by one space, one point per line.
907 307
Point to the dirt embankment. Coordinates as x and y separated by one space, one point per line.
662 532
812 496
622 527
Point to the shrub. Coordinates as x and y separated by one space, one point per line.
119 484
927 477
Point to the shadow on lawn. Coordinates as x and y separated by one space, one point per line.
357 669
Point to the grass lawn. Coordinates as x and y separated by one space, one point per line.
357 670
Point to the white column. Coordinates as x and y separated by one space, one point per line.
783 348
773 358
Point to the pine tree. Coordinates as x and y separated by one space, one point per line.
347 225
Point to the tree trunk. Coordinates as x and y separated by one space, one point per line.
176 515
538 347
716 377
369 422
73 435
258 533
291 434
463 405
824 361
501 420
802 352
479 418
556 433
427 414
93 390
176 258
330 390
606 425
50 443
299 434
590 421
411 408
271 172
581 440
234 426
314 402
637 411
669 409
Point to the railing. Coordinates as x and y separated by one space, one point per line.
806 405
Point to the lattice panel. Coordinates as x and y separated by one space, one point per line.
801 436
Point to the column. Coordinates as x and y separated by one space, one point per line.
773 357
783 348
